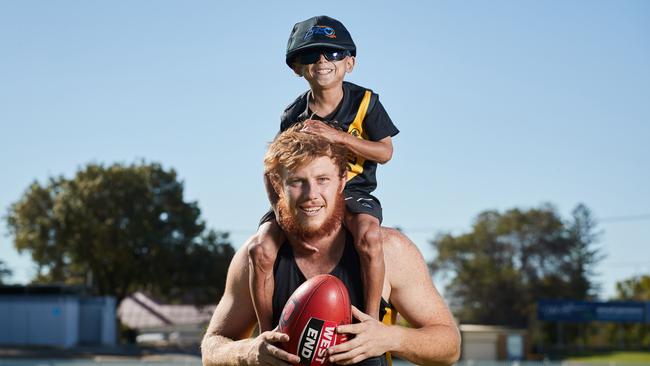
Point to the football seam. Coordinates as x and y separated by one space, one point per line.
308 298
343 292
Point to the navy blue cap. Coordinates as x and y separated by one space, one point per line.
318 32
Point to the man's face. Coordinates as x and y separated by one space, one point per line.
324 73
311 200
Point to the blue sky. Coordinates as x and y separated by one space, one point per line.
500 104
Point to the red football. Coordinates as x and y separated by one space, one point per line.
310 317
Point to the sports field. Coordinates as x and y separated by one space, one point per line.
616 358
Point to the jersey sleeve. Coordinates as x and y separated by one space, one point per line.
291 114
285 121
378 124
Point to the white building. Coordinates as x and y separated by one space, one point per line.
487 342
55 316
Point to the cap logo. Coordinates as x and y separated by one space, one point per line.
321 30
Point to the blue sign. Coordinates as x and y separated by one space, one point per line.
590 311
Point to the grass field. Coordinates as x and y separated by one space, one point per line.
632 357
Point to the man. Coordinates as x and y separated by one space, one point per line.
309 175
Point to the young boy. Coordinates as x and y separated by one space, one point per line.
321 50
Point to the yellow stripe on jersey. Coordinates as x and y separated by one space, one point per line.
355 162
390 318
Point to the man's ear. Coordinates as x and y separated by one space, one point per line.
277 186
349 63
342 182
273 189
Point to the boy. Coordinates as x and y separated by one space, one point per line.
321 50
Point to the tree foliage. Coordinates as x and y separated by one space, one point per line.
118 229
4 272
510 260
636 288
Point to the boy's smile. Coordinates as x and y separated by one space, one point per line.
324 74
322 71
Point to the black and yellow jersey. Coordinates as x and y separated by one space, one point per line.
287 277
360 114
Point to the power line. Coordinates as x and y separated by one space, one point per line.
609 219
627 265
641 217
433 230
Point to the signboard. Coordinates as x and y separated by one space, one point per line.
591 311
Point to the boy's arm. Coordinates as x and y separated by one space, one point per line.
379 151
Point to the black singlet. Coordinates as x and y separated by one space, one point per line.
287 278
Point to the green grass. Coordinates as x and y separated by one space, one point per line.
640 357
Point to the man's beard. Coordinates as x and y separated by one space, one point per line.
291 226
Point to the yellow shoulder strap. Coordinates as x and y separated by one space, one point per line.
390 318
355 163
357 124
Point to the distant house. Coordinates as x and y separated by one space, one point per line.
164 323
487 342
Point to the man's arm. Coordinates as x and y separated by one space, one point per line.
433 339
226 341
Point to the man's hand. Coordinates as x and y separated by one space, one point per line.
371 338
263 352
320 128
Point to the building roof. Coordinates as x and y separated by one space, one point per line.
480 328
139 311
41 290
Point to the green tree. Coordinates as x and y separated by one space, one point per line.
510 260
118 229
636 288
4 272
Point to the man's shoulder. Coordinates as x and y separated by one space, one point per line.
398 246
394 237
405 265
240 260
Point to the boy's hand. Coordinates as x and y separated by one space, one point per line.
320 128
366 339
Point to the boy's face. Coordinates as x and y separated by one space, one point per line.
324 74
